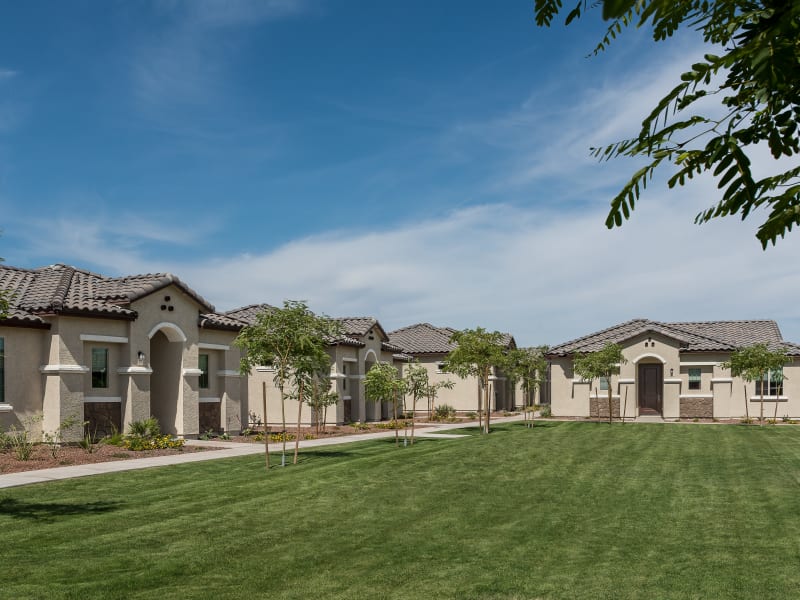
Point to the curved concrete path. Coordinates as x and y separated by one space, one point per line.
223 449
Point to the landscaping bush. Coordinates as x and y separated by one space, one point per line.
443 412
158 442
544 410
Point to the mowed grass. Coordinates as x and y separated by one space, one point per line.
566 510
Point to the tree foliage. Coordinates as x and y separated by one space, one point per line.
529 367
755 79
477 352
383 383
294 341
756 363
601 364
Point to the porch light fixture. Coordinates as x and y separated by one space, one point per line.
141 357
670 372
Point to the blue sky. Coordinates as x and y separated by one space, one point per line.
415 161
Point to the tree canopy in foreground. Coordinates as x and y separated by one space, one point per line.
755 81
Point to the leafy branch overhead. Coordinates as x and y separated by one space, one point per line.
755 79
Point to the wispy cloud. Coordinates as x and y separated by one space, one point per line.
6 74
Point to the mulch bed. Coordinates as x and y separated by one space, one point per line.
75 455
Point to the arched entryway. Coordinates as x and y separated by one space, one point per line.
166 360
650 385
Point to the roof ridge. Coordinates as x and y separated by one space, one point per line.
62 288
601 331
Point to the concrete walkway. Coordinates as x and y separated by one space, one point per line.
223 450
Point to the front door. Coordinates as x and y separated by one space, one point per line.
651 384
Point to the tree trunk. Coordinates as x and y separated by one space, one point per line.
480 406
396 432
610 412
299 416
488 404
266 437
283 426
746 404
625 406
761 416
413 417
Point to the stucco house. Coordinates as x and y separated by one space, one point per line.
429 345
363 343
673 370
112 350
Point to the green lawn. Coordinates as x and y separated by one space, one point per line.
566 510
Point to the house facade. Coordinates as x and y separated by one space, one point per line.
673 370
362 344
109 351
429 346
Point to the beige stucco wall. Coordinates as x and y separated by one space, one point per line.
24 384
48 372
727 394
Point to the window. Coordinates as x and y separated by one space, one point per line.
604 383
344 372
203 366
775 385
441 367
2 370
694 379
99 367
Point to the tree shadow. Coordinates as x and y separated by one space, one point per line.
49 511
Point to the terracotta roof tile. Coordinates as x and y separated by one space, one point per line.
62 289
424 338
695 336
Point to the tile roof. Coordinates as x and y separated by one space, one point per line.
695 336
62 289
424 338
247 315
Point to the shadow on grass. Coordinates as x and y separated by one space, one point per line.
49 511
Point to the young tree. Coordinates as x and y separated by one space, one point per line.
758 363
601 364
384 384
477 352
319 397
529 366
752 70
289 339
417 383
307 369
432 392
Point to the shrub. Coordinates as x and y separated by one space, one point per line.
746 420
147 428
20 442
393 424
360 426
158 442
115 439
472 414
284 436
443 412
544 411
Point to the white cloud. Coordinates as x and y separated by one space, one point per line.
7 74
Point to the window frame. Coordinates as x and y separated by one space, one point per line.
99 376
203 382
774 387
695 383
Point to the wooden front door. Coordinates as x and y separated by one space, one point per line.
651 386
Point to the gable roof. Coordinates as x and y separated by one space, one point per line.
694 336
424 338
66 290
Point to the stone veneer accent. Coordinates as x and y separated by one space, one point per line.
697 408
598 407
209 416
102 418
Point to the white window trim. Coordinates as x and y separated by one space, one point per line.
722 380
6 407
209 400
228 373
135 371
673 380
621 381
350 360
696 396
769 398
209 346
265 369
57 369
698 363
603 396
102 399
105 339
192 372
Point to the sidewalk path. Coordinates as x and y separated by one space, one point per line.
224 450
